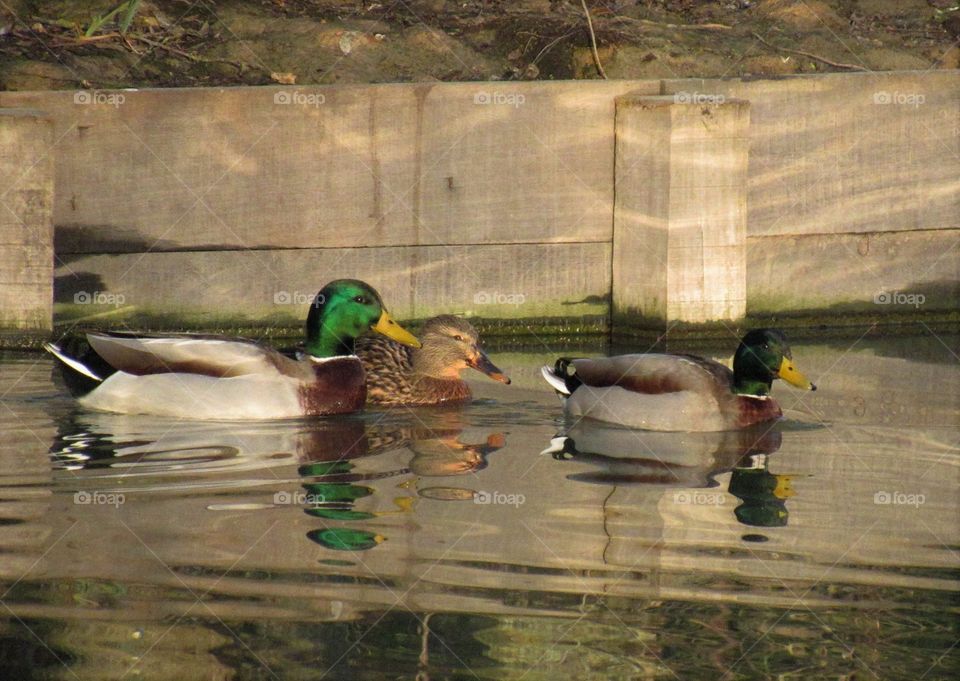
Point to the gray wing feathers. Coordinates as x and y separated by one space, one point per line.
654 374
184 354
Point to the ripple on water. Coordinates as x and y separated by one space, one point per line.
442 542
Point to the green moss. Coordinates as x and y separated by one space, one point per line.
592 322
287 325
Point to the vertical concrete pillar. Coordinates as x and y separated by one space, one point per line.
26 220
679 235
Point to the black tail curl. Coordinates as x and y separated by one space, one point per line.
77 348
565 370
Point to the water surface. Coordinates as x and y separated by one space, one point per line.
441 543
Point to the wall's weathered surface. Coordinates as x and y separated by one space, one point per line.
903 273
680 211
272 187
839 153
239 288
26 225
853 192
368 166
209 203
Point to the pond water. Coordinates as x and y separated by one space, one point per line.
441 543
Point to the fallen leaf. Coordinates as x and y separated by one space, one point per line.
347 41
284 78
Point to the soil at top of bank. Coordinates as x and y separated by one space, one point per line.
169 43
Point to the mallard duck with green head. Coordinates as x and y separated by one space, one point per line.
219 378
400 375
656 391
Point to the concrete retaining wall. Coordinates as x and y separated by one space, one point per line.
229 207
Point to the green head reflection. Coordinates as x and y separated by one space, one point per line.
763 495
345 539
339 513
335 492
321 468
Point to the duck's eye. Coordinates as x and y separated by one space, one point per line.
361 300
458 337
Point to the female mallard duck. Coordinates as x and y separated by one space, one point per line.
398 375
213 377
680 392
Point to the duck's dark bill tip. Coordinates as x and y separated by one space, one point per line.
813 386
483 364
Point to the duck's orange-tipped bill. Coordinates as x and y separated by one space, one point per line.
496 441
483 364
394 331
793 376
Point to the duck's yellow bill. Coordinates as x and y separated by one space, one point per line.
793 376
784 488
394 331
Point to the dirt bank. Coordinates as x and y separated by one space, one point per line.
63 44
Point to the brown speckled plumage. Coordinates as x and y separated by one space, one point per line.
390 377
399 375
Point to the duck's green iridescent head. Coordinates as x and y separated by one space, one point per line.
342 311
764 355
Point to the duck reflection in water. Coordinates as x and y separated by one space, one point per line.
341 462
333 490
626 456
332 474
621 456
764 494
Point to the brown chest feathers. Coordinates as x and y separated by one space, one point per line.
338 387
752 410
